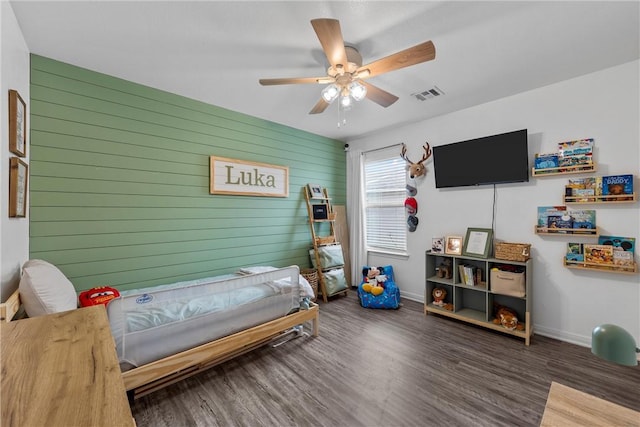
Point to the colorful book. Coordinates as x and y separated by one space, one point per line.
584 219
623 258
598 254
546 161
559 221
617 185
545 211
576 148
575 252
627 244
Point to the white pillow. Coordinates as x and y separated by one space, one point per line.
44 289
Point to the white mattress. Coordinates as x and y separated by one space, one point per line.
156 322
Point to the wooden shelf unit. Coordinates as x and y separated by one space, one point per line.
564 170
326 239
474 304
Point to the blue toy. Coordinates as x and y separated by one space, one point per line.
378 288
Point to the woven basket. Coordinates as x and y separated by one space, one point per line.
513 251
311 274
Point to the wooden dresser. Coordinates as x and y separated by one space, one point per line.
62 370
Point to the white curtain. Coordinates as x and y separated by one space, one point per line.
355 215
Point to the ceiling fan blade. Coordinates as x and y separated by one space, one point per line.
289 81
330 36
379 96
422 52
319 107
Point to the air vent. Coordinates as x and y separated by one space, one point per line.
428 94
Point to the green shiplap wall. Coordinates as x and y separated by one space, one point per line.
119 183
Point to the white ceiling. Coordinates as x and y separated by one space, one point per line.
216 51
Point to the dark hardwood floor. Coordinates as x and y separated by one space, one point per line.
388 368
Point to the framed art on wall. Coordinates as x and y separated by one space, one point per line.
477 242
453 245
18 174
17 124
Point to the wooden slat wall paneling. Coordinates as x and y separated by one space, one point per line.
119 186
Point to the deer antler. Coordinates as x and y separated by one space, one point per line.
416 169
427 152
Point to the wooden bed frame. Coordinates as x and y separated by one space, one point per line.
161 373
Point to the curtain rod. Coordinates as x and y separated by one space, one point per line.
382 148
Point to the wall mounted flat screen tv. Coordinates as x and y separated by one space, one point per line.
494 159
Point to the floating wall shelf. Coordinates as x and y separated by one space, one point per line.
590 232
608 268
564 170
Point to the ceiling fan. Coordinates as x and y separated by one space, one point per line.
346 74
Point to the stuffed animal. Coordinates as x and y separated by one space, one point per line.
444 270
374 280
507 317
439 295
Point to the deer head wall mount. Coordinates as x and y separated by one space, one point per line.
418 168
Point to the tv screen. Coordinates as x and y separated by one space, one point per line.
492 159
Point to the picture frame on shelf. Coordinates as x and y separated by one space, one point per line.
437 245
320 212
17 124
315 191
478 242
453 245
18 176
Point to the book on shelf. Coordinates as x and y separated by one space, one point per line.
577 147
545 211
546 161
627 244
560 221
618 185
469 275
623 258
598 254
575 252
584 219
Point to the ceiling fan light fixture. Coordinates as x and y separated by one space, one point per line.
330 93
357 90
345 102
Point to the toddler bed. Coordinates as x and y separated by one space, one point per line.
166 333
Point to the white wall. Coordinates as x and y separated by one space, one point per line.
14 74
567 304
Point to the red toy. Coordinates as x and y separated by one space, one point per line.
99 295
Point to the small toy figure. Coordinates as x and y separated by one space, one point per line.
374 280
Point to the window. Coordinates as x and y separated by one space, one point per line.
385 181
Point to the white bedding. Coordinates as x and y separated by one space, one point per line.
155 322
